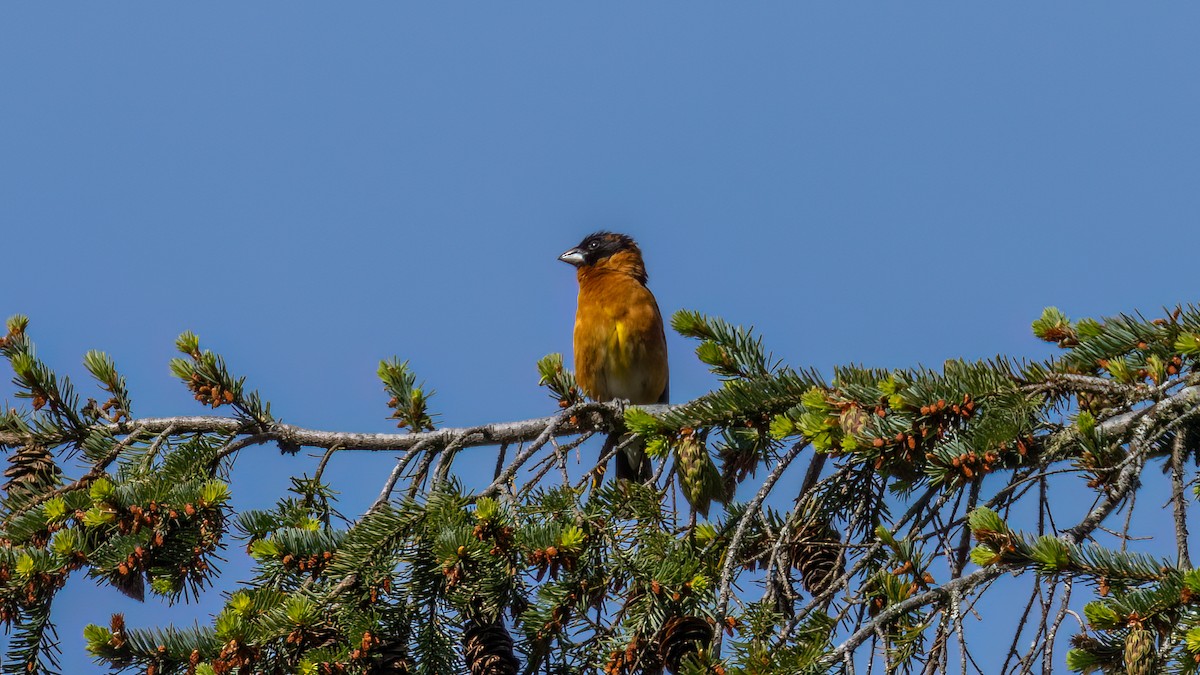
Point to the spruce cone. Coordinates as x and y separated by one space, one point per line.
681 636
1140 656
488 649
393 659
699 477
32 470
815 552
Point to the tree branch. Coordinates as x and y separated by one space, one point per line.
1140 422
589 417
736 541
1179 500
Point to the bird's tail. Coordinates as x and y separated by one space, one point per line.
632 462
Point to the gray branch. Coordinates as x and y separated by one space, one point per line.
1139 424
589 417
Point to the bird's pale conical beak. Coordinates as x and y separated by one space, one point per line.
572 257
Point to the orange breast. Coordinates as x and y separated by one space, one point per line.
620 344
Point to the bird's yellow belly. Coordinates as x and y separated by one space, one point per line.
628 371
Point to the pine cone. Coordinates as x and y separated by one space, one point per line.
32 470
1140 655
853 419
815 552
681 636
488 649
699 477
393 659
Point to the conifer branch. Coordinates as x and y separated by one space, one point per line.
612 576
964 585
574 420
1178 500
960 587
548 427
752 509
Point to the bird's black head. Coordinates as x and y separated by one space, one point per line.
599 246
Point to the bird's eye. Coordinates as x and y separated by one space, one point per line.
593 245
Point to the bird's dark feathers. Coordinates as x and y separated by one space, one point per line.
600 245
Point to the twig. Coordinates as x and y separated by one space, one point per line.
1020 628
323 463
1048 659
559 458
961 585
1126 480
446 458
559 425
736 540
386 493
865 559
421 473
500 460
607 452
235 443
1178 450
964 541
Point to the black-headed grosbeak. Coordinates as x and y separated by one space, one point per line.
620 344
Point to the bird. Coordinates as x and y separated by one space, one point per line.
620 346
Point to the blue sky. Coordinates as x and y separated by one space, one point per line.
314 187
